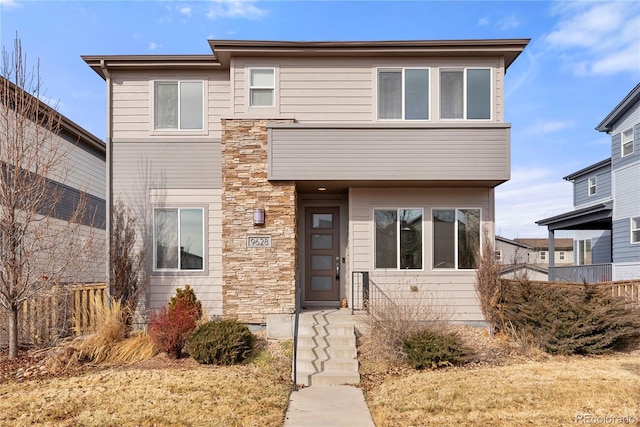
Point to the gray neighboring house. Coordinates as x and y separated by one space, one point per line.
268 163
606 199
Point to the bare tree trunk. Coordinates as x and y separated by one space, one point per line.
13 332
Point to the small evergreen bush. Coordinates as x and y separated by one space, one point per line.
223 342
434 349
188 297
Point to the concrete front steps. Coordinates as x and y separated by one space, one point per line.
327 352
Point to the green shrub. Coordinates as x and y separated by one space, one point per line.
569 319
223 342
433 349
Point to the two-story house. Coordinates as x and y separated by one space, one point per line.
266 163
606 198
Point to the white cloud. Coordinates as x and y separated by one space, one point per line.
234 9
508 23
597 37
546 127
484 21
532 194
184 10
154 46
8 4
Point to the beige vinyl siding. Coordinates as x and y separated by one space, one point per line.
132 98
454 287
433 152
208 285
86 170
344 90
140 165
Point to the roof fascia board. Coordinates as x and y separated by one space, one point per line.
588 169
509 48
146 62
625 105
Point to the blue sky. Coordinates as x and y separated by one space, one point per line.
584 57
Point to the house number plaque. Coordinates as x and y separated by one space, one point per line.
258 241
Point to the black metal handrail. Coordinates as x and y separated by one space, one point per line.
360 291
295 336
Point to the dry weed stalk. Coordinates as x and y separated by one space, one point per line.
488 286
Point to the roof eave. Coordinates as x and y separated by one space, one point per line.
625 105
510 49
588 169
155 62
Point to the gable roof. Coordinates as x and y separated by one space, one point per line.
589 169
621 109
562 244
512 242
66 125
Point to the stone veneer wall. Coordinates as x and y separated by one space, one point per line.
255 281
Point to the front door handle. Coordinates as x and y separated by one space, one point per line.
337 268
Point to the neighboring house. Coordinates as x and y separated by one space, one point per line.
539 253
606 198
313 161
80 174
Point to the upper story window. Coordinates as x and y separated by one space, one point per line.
561 256
456 238
627 142
179 105
262 87
403 94
398 238
178 239
543 255
592 186
635 230
465 94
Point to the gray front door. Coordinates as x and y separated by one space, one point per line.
322 254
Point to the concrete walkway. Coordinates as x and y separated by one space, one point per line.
328 406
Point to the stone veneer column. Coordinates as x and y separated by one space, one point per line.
255 281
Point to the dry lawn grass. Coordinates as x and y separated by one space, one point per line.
157 392
504 388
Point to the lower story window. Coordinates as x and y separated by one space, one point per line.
456 238
179 239
398 238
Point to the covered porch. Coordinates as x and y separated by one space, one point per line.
596 217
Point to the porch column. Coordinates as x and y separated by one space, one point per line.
552 249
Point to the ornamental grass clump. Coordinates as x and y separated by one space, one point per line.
222 342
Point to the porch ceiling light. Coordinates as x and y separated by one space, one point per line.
258 216
322 188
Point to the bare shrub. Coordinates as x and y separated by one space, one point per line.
488 285
397 315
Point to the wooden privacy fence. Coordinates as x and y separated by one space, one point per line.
60 312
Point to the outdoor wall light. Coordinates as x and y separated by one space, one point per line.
258 216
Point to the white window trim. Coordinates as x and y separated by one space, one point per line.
456 239
543 255
464 93
498 255
622 142
592 183
273 88
634 229
577 255
561 255
204 241
161 131
402 94
373 212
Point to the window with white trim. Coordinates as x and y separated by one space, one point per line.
179 105
584 252
262 87
635 229
543 255
592 186
498 254
456 238
627 142
178 239
465 94
561 256
403 94
398 239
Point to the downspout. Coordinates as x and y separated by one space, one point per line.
109 201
